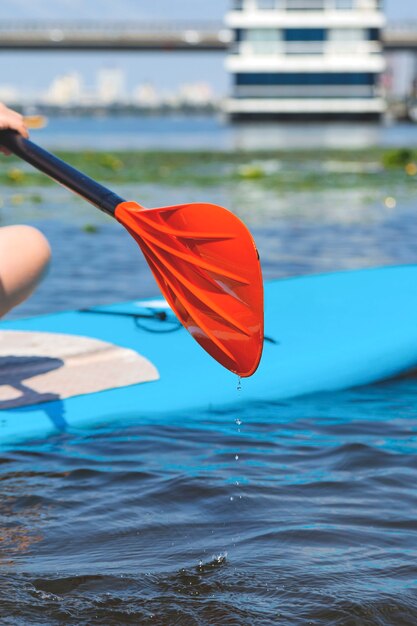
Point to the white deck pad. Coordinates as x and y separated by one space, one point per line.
37 367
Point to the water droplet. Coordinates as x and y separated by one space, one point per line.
238 421
236 457
231 498
239 384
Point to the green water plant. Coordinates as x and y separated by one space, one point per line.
398 157
90 229
15 175
251 172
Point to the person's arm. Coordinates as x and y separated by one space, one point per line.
12 119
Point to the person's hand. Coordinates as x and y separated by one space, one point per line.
11 119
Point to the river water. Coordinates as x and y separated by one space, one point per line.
299 512
215 133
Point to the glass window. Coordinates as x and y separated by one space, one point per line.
307 78
344 5
305 5
342 35
263 40
305 34
374 34
304 91
368 5
263 34
266 5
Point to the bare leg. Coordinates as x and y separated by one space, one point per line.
24 258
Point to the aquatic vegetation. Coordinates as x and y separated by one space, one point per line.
411 168
398 157
36 198
90 228
251 172
17 198
111 162
390 202
291 170
15 175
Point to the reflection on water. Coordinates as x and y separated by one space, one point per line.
214 133
287 136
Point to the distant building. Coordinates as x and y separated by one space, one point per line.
317 59
111 86
198 94
9 95
64 90
146 96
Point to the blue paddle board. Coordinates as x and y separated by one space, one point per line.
323 332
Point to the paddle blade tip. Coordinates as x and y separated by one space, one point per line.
207 266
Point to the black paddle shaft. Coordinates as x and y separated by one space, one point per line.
61 172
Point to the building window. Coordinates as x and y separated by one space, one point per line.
261 41
305 91
374 34
369 5
344 5
263 34
305 5
266 5
306 78
305 40
305 34
343 35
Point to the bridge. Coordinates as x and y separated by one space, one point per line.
400 36
109 35
150 36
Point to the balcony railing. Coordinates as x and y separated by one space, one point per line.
306 91
306 5
284 48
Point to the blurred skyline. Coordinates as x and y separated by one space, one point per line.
143 9
32 72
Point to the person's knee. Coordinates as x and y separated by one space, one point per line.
36 248
24 258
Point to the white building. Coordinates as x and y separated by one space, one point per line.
10 95
306 58
146 95
111 85
64 90
196 94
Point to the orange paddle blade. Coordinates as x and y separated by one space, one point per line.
207 266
